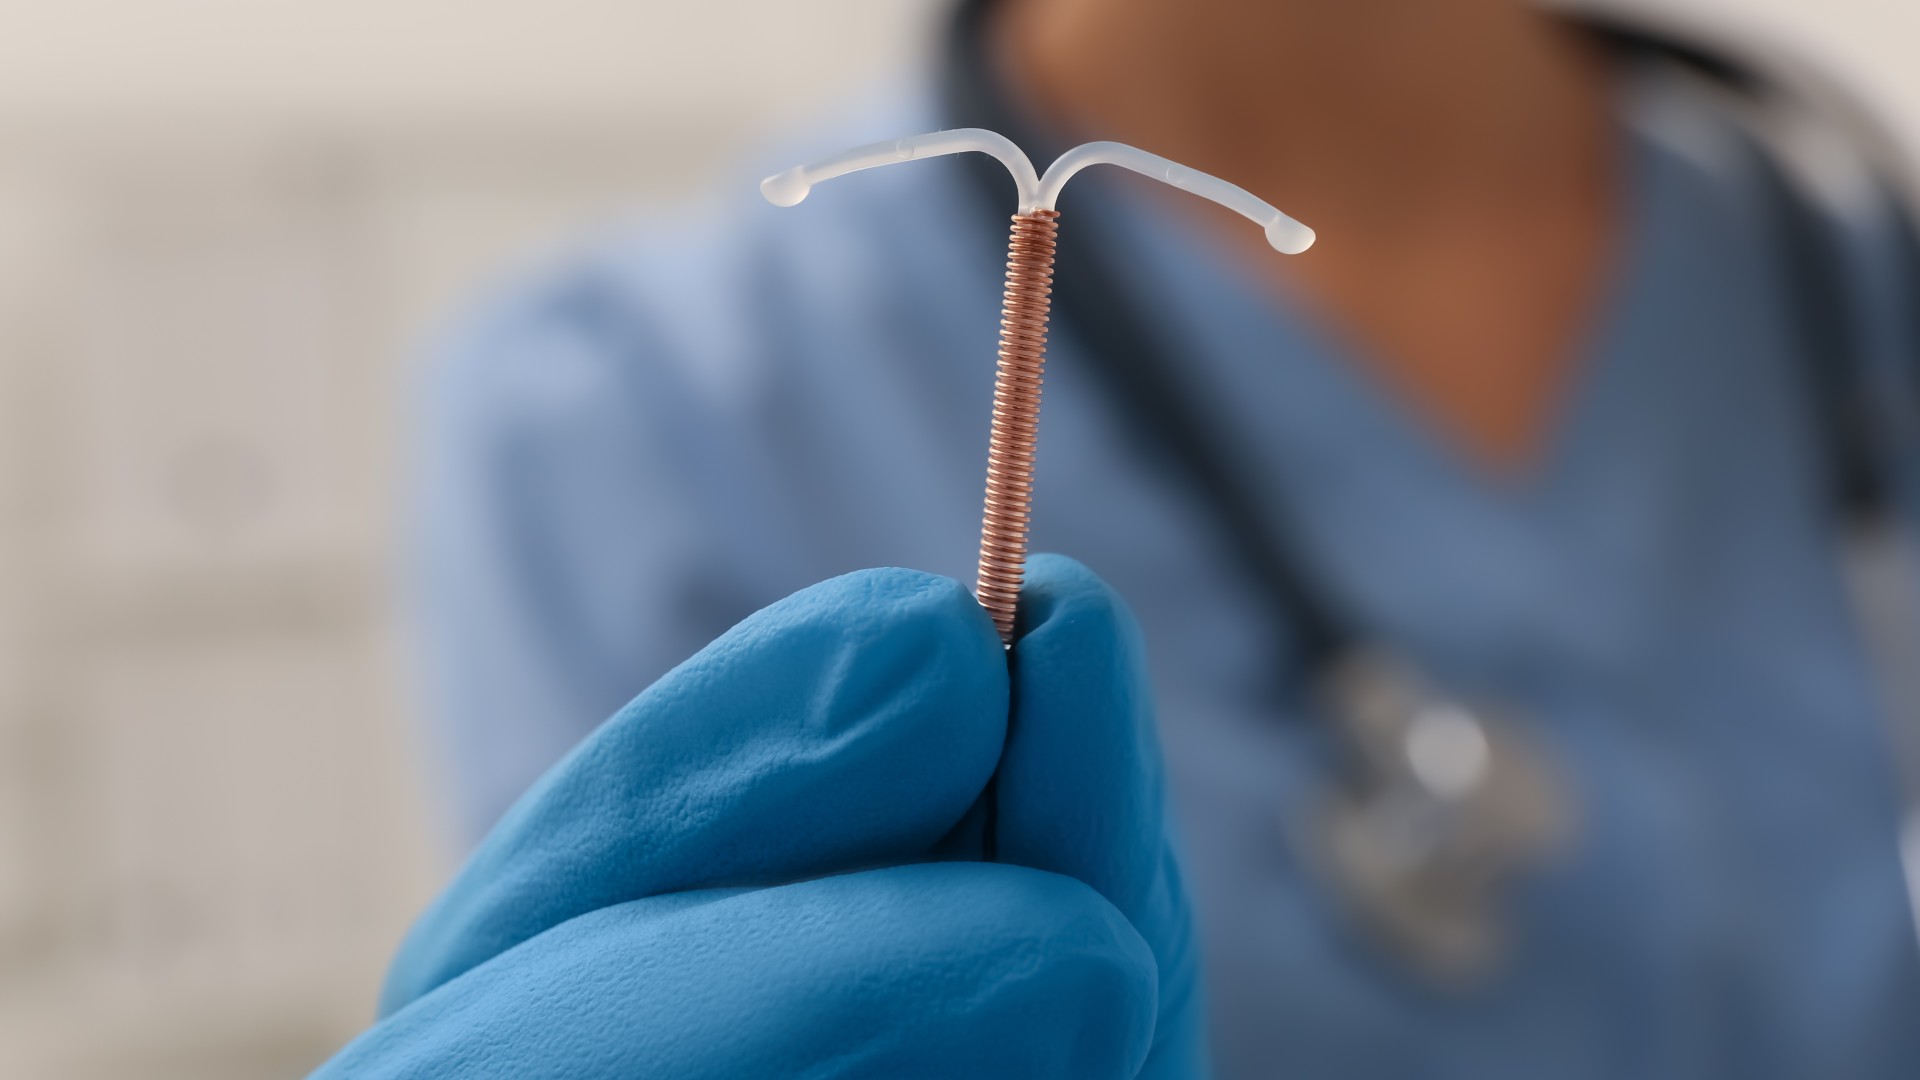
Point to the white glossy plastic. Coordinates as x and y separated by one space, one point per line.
1042 192
1287 236
789 187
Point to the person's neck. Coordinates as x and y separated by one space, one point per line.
1307 101
1455 156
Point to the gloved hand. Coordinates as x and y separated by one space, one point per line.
754 868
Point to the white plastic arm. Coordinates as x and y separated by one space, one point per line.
1287 236
789 187
1040 193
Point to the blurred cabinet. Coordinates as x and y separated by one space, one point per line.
213 821
218 384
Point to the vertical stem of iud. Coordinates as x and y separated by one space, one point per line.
1016 415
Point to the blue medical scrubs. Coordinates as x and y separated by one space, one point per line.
634 447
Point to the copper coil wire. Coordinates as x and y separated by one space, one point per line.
1016 416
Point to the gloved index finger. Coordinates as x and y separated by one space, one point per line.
849 725
1080 785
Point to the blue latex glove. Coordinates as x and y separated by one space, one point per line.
755 868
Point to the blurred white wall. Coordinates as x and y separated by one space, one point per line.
224 225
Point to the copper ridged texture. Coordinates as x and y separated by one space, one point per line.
1016 416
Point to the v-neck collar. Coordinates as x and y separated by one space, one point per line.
1332 365
1321 364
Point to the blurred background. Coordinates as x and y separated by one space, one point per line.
226 227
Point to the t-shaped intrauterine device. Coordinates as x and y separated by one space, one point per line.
1023 309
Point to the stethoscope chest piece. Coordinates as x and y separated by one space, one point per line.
1440 806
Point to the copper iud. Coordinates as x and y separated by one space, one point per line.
1023 311
1016 415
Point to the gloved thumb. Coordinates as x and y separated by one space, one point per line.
1080 783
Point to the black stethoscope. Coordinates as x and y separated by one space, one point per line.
1444 799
